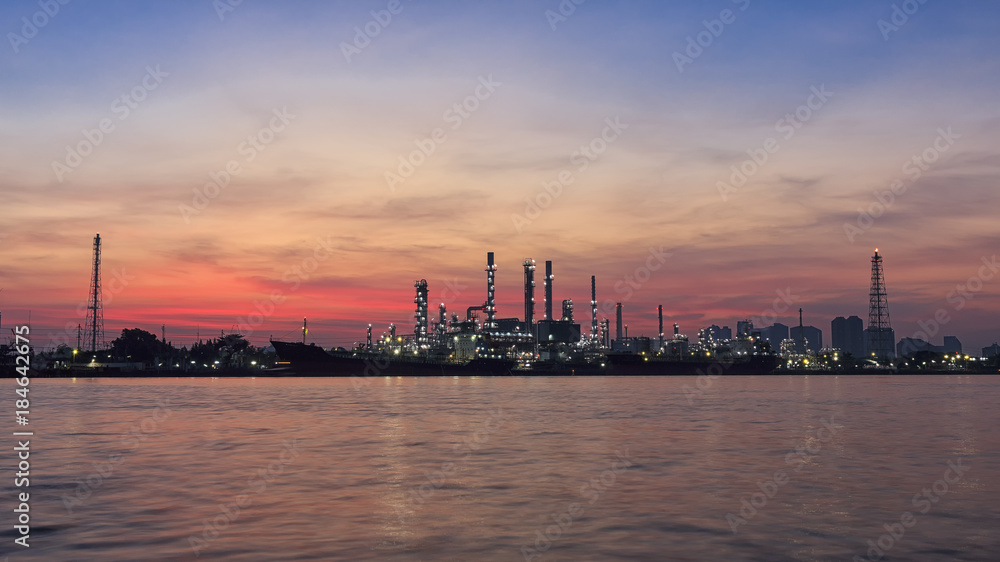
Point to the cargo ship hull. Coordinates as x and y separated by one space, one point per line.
309 360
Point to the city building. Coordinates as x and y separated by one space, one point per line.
909 346
718 334
952 345
774 335
848 335
812 334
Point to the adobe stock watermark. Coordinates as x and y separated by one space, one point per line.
372 369
121 107
957 297
435 480
581 158
225 7
452 290
923 501
590 491
787 126
900 16
779 306
294 276
136 434
248 149
256 484
705 379
563 11
364 35
454 117
768 488
913 168
697 43
38 20
626 287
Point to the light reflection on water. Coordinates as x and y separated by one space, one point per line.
482 468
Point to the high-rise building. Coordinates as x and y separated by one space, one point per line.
991 350
812 335
719 334
848 335
774 335
952 345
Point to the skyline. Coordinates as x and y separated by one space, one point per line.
303 132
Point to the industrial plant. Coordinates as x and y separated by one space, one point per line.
480 341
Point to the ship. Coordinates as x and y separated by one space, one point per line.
492 346
299 359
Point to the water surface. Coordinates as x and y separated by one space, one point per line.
623 468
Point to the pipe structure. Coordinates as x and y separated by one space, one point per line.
420 327
491 308
468 311
567 309
442 327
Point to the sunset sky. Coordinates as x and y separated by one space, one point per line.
310 105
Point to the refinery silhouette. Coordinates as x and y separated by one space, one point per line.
480 342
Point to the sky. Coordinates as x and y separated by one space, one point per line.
251 164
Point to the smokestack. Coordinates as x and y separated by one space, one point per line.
659 311
802 336
548 289
618 325
369 337
491 309
677 330
593 308
529 294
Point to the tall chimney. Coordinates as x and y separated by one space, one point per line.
529 294
548 289
802 335
659 310
618 325
593 308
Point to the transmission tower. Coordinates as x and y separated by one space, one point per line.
95 309
880 333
